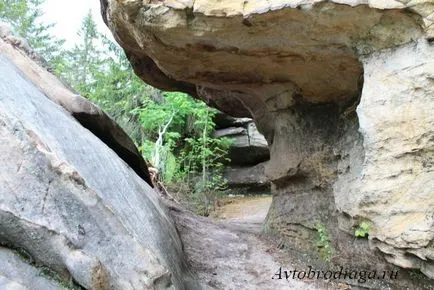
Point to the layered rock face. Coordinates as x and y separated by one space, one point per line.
249 147
68 200
300 69
248 155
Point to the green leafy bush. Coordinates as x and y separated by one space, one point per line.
362 230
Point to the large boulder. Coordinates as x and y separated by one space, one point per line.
18 274
70 201
245 172
248 147
300 69
247 180
89 115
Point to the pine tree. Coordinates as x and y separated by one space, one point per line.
84 60
25 18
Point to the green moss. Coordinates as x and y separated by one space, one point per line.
324 242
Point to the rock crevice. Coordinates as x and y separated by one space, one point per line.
86 113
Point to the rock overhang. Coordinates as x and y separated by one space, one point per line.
300 51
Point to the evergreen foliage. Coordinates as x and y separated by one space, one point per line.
25 18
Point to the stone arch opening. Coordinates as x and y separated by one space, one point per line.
297 71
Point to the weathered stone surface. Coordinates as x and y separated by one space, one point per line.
300 68
256 139
231 255
395 189
248 147
245 172
70 202
250 179
16 274
85 112
232 131
223 121
314 48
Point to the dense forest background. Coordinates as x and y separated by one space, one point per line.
173 131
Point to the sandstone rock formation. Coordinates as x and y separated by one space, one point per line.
249 147
300 69
67 199
248 153
247 180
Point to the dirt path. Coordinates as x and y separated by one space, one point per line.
228 252
244 209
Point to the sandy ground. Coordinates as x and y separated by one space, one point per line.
243 209
227 250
